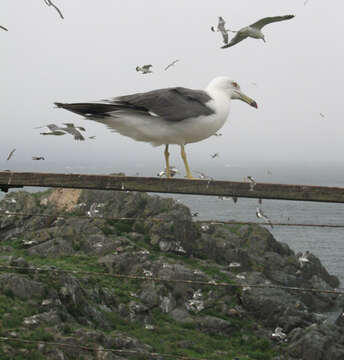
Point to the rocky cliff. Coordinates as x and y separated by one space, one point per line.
77 281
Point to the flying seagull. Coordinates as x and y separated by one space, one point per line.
54 130
73 130
144 69
38 158
69 129
10 154
171 64
222 29
167 116
3 28
254 30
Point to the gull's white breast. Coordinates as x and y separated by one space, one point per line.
158 131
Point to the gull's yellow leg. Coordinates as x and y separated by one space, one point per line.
167 159
183 154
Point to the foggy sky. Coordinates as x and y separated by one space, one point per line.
92 55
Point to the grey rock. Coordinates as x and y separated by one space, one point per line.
22 286
214 325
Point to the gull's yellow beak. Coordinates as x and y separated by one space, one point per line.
237 94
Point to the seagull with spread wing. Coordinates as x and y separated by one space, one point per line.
175 115
69 129
144 69
73 130
221 27
254 30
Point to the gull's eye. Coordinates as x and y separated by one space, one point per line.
235 85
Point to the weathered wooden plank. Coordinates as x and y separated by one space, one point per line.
180 186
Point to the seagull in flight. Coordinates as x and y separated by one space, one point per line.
54 130
73 130
38 158
144 69
171 64
10 154
221 27
174 115
254 30
69 129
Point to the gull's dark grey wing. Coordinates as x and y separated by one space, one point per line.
225 36
53 127
173 104
240 36
147 67
73 131
268 20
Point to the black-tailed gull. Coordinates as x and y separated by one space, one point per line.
174 115
254 30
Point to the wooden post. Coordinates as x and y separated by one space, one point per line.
177 186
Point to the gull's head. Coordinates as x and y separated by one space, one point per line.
231 88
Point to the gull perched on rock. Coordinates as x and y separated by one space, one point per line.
254 30
279 334
175 115
303 259
261 215
221 27
144 69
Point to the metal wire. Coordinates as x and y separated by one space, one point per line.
160 279
211 222
98 349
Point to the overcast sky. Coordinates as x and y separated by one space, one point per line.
92 54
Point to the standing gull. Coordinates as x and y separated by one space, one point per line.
167 116
261 215
254 30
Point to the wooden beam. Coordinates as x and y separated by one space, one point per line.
176 186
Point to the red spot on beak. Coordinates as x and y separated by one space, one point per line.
254 104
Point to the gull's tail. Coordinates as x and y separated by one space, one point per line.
89 109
